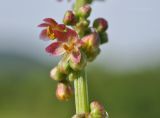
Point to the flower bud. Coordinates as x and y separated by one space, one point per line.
103 37
69 18
79 66
84 11
92 55
64 91
100 24
57 75
82 24
63 65
97 110
90 45
72 76
91 41
82 27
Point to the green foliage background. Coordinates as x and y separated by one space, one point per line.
26 91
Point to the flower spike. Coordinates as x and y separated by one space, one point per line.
78 44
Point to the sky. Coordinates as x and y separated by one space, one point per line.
134 30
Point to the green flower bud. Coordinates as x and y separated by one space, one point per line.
57 75
103 37
63 65
73 75
64 91
100 24
79 66
82 27
97 110
69 18
82 24
84 11
92 55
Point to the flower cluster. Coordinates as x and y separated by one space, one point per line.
78 43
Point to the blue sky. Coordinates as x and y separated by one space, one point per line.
134 30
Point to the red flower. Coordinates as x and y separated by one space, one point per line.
71 46
67 39
53 30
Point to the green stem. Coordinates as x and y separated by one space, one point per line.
80 83
81 93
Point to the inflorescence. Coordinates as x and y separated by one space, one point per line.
78 43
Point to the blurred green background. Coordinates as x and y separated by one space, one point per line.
26 91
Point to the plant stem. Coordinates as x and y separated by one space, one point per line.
80 83
81 93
